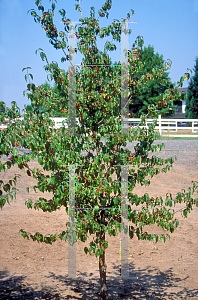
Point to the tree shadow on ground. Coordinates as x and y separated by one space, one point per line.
148 284
16 287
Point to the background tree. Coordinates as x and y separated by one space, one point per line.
2 107
152 91
191 111
98 111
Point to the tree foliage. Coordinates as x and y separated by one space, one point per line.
152 92
191 111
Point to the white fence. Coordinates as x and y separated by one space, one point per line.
163 125
171 125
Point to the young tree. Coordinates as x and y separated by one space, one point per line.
191 111
98 111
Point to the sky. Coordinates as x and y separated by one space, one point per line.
170 26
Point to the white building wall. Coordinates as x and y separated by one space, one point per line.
183 106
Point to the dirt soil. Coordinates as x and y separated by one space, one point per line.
169 270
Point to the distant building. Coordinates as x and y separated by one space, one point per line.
181 102
181 105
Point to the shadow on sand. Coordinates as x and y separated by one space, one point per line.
143 284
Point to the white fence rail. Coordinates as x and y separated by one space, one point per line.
58 122
171 125
163 125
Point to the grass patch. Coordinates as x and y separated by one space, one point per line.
177 138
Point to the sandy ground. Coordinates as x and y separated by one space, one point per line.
29 270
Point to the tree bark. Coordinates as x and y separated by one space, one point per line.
102 264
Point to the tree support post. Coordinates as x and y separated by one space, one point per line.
102 264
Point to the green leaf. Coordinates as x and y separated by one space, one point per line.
26 68
110 231
63 59
86 250
57 202
131 234
100 251
28 172
33 155
62 12
29 204
116 225
31 86
115 200
15 152
41 8
140 225
24 234
77 7
155 238
106 158
33 13
14 192
96 160
2 201
6 187
40 160
90 250
7 198
146 197
47 240
27 189
27 157
162 238
105 244
53 6
103 202
172 228
11 196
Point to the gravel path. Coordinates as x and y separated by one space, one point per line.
183 149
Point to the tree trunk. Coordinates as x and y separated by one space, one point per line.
102 264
